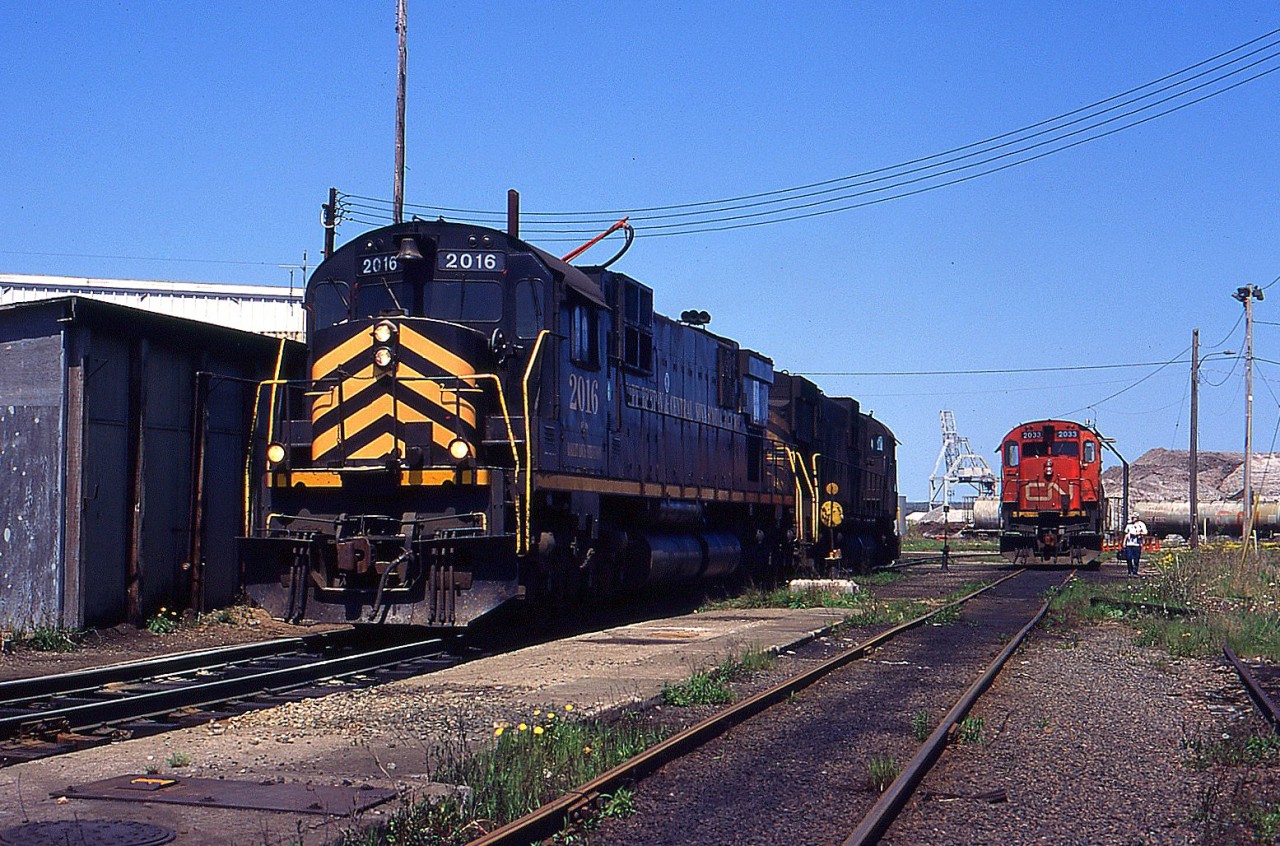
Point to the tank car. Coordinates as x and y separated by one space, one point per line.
1051 497
482 421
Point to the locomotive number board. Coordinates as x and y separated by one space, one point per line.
1066 434
377 264
485 260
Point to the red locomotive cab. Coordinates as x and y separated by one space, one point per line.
1051 491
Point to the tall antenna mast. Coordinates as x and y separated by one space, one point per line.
401 31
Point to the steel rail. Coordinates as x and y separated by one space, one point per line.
16 690
95 714
895 797
1261 699
547 820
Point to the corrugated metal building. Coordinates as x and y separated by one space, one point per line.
266 309
122 460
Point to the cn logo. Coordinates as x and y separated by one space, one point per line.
1047 491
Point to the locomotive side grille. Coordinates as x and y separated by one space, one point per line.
365 414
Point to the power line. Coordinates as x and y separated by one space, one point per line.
636 212
993 371
709 216
1177 359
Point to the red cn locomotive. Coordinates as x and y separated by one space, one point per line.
1051 500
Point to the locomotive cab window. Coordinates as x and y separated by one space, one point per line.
1090 452
1011 455
377 297
529 313
637 326
329 303
584 336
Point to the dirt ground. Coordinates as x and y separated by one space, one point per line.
96 648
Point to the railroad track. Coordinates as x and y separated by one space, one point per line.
1262 683
955 558
54 714
772 770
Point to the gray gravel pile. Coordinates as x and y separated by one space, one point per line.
1164 474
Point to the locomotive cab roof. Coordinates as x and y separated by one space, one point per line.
434 235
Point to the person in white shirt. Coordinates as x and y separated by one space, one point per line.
1133 535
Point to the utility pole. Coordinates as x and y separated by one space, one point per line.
1247 294
402 27
330 220
1193 493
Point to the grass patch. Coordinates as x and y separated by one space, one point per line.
881 771
525 766
1243 751
178 759
919 543
711 687
921 725
1264 819
969 730
52 639
1235 601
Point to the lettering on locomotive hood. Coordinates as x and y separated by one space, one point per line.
1044 491
648 399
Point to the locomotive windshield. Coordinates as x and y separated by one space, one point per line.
1039 449
464 302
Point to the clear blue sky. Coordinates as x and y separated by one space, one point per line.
173 132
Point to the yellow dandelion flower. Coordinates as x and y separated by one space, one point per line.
537 729
551 715
586 750
522 727
568 707
497 732
537 712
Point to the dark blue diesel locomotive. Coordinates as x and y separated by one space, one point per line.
483 421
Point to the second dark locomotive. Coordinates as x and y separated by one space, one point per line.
483 421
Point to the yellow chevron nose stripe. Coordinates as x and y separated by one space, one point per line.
361 416
436 354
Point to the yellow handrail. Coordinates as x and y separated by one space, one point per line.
523 542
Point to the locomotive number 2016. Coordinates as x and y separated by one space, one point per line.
471 260
386 263
584 394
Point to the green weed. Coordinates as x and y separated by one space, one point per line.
525 766
163 622
969 730
52 639
618 805
881 771
178 759
921 725
711 687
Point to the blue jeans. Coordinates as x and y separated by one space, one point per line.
1132 554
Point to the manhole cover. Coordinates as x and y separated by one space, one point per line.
86 833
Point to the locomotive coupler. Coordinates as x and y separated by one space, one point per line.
355 555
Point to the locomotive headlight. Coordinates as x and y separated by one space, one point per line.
459 449
276 454
384 332
382 357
